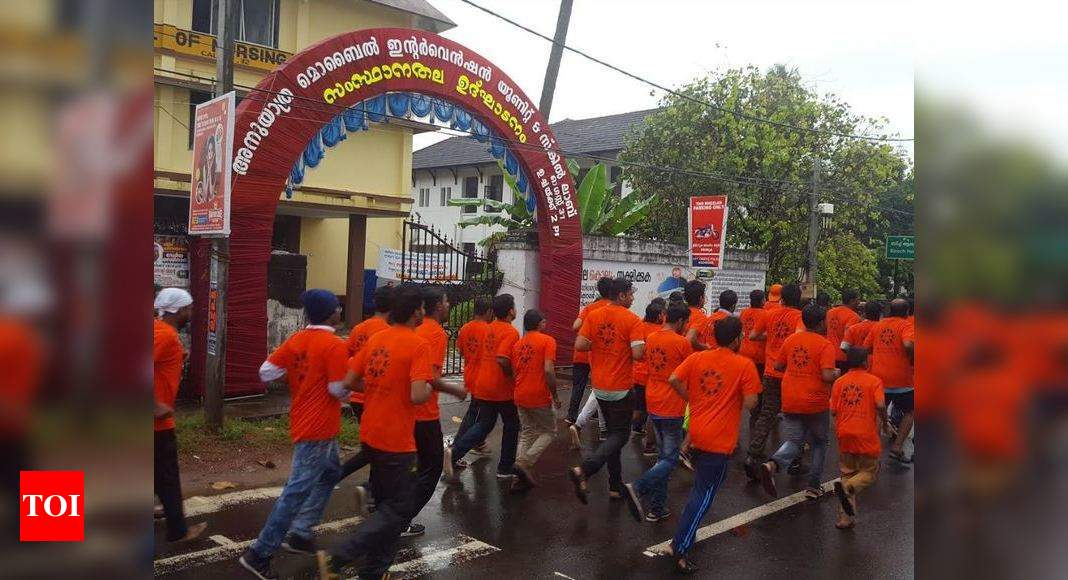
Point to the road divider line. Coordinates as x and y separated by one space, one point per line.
741 519
206 504
468 550
562 575
221 540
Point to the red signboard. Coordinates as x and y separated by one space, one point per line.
209 195
708 231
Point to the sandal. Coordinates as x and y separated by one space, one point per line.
814 492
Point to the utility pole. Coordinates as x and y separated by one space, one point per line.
215 381
813 231
548 88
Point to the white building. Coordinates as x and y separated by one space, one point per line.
463 167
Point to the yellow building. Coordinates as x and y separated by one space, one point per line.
342 206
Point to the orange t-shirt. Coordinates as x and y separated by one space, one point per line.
358 337
857 333
696 321
469 341
752 349
435 336
22 356
855 398
528 364
706 335
806 355
312 358
839 319
716 381
583 356
780 324
611 330
889 361
167 359
641 370
390 362
492 384
664 352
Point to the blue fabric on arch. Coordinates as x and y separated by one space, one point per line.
443 110
354 118
481 132
462 120
296 175
376 108
313 153
398 104
420 105
521 181
496 147
511 163
333 132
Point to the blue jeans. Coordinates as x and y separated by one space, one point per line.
316 469
654 482
485 420
795 427
709 469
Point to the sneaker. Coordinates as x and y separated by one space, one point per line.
363 501
615 494
193 532
298 545
413 530
260 567
814 492
654 516
767 479
685 567
575 431
448 466
634 502
843 498
582 492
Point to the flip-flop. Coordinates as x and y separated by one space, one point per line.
814 492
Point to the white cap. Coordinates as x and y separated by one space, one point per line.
171 300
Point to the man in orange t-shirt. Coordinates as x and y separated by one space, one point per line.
614 336
469 342
718 384
495 385
395 372
653 322
429 444
774 297
857 333
533 361
890 349
839 319
174 307
776 327
859 411
313 360
580 370
694 293
728 302
806 360
664 351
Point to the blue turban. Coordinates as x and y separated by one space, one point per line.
319 304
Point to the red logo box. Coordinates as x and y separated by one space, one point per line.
51 506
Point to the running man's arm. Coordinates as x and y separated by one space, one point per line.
420 392
582 344
680 387
506 366
550 381
749 401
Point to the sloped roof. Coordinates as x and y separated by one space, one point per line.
596 135
427 16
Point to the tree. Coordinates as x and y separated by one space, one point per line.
689 149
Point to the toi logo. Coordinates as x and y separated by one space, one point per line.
51 506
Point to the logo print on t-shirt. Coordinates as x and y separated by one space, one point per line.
799 356
606 333
357 345
711 382
657 359
471 347
887 337
782 330
491 343
378 363
852 394
526 354
300 367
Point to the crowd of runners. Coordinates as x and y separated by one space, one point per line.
681 378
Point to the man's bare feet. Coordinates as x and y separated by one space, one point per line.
193 532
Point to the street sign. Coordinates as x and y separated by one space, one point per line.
900 247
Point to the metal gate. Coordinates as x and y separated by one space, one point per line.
430 258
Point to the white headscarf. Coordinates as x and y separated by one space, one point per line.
171 300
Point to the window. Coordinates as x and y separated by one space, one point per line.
446 195
424 197
494 191
470 192
615 176
257 20
195 98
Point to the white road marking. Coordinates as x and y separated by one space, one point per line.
231 550
562 575
469 549
206 504
743 518
221 540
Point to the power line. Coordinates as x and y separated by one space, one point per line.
740 180
683 95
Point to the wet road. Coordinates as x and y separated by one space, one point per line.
476 529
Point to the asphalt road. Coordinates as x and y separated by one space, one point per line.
476 529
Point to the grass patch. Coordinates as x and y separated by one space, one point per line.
193 434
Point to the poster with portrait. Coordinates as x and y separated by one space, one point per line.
213 139
708 231
170 264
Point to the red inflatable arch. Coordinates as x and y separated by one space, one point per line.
276 121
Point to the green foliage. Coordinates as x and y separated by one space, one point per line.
769 207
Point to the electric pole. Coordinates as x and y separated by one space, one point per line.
548 88
215 381
813 232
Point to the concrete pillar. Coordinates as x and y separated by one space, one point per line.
354 275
